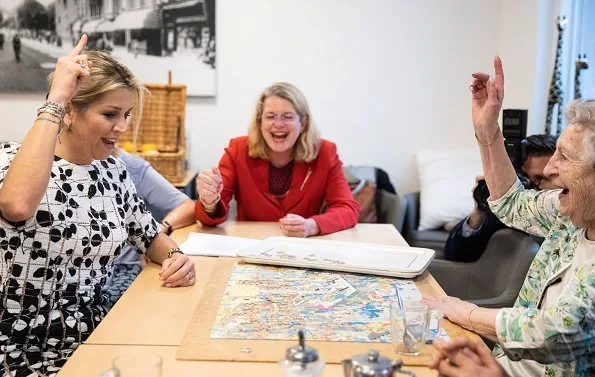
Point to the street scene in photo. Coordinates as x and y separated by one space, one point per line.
151 37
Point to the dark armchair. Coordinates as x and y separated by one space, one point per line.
431 239
495 279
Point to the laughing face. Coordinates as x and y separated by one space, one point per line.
280 126
571 169
96 130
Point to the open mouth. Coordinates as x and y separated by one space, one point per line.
279 136
109 142
564 193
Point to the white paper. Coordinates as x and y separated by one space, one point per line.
215 245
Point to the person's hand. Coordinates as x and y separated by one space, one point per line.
209 185
461 357
487 94
296 226
177 271
71 71
453 308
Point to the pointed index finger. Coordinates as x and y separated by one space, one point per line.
499 77
79 47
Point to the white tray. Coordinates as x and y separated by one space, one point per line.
397 261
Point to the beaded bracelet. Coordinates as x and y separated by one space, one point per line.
53 108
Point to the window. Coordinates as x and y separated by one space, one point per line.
579 39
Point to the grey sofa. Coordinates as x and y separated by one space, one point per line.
495 279
431 239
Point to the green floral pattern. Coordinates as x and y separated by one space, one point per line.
561 336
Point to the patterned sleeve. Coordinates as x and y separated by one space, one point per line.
7 153
531 211
562 332
142 227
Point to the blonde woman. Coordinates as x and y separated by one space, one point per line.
282 171
67 208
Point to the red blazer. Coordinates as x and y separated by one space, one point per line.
312 184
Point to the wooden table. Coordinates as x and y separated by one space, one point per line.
151 318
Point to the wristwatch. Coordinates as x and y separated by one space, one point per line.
174 250
168 227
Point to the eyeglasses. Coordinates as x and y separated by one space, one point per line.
287 118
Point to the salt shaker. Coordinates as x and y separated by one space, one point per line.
302 361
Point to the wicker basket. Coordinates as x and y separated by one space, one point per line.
171 165
162 124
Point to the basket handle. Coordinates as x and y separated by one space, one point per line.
178 132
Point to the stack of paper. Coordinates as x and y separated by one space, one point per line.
214 245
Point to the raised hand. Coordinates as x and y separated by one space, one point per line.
71 71
487 94
296 226
209 185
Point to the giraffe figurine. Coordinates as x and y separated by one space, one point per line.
556 95
579 65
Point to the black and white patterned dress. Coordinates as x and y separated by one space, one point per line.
53 266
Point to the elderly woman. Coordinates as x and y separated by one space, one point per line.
550 331
67 209
282 171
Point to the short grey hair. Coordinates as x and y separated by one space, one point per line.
582 113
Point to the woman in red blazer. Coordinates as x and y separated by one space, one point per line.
282 171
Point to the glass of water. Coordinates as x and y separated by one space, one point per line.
408 327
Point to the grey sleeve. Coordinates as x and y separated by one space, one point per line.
160 195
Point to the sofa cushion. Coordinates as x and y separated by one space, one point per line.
446 178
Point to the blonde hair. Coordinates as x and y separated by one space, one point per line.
306 146
582 114
107 74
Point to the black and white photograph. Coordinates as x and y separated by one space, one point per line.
151 37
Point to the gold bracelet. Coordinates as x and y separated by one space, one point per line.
491 142
469 319
173 250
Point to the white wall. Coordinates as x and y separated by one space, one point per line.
384 78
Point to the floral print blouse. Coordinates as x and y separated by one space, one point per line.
550 330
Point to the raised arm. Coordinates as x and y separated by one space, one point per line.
27 178
487 96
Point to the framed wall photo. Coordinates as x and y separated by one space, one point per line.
152 37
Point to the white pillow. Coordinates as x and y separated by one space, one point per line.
446 178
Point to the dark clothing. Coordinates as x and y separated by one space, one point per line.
280 179
468 249
16 46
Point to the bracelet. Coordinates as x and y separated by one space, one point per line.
491 142
53 108
212 204
174 250
469 319
48 119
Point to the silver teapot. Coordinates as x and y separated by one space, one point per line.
372 365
